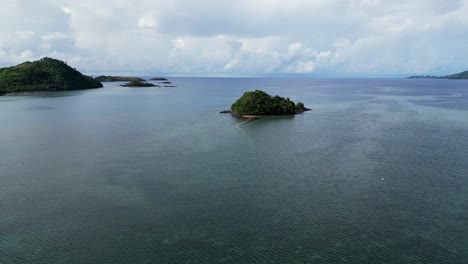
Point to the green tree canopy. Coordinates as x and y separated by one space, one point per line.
260 103
46 74
138 84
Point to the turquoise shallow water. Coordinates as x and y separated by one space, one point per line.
376 173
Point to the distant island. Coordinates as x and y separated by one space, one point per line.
46 74
258 103
135 81
139 84
163 81
104 78
457 76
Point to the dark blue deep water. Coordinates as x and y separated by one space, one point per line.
376 173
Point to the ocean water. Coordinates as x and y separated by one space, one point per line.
376 173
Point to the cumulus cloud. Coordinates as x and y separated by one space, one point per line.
240 37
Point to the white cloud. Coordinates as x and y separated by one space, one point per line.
23 35
52 36
301 67
66 10
369 3
178 44
240 37
147 21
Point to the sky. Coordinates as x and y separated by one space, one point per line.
240 38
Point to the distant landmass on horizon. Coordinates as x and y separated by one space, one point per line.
461 75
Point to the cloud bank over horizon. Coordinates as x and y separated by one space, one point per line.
237 38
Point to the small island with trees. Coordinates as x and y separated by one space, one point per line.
256 104
139 84
46 74
105 78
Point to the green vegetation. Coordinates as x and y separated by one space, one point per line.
301 108
104 78
259 103
461 75
46 74
139 84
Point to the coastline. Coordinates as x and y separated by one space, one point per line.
252 117
44 91
242 116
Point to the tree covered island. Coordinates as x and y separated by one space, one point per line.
258 103
139 84
46 74
105 78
